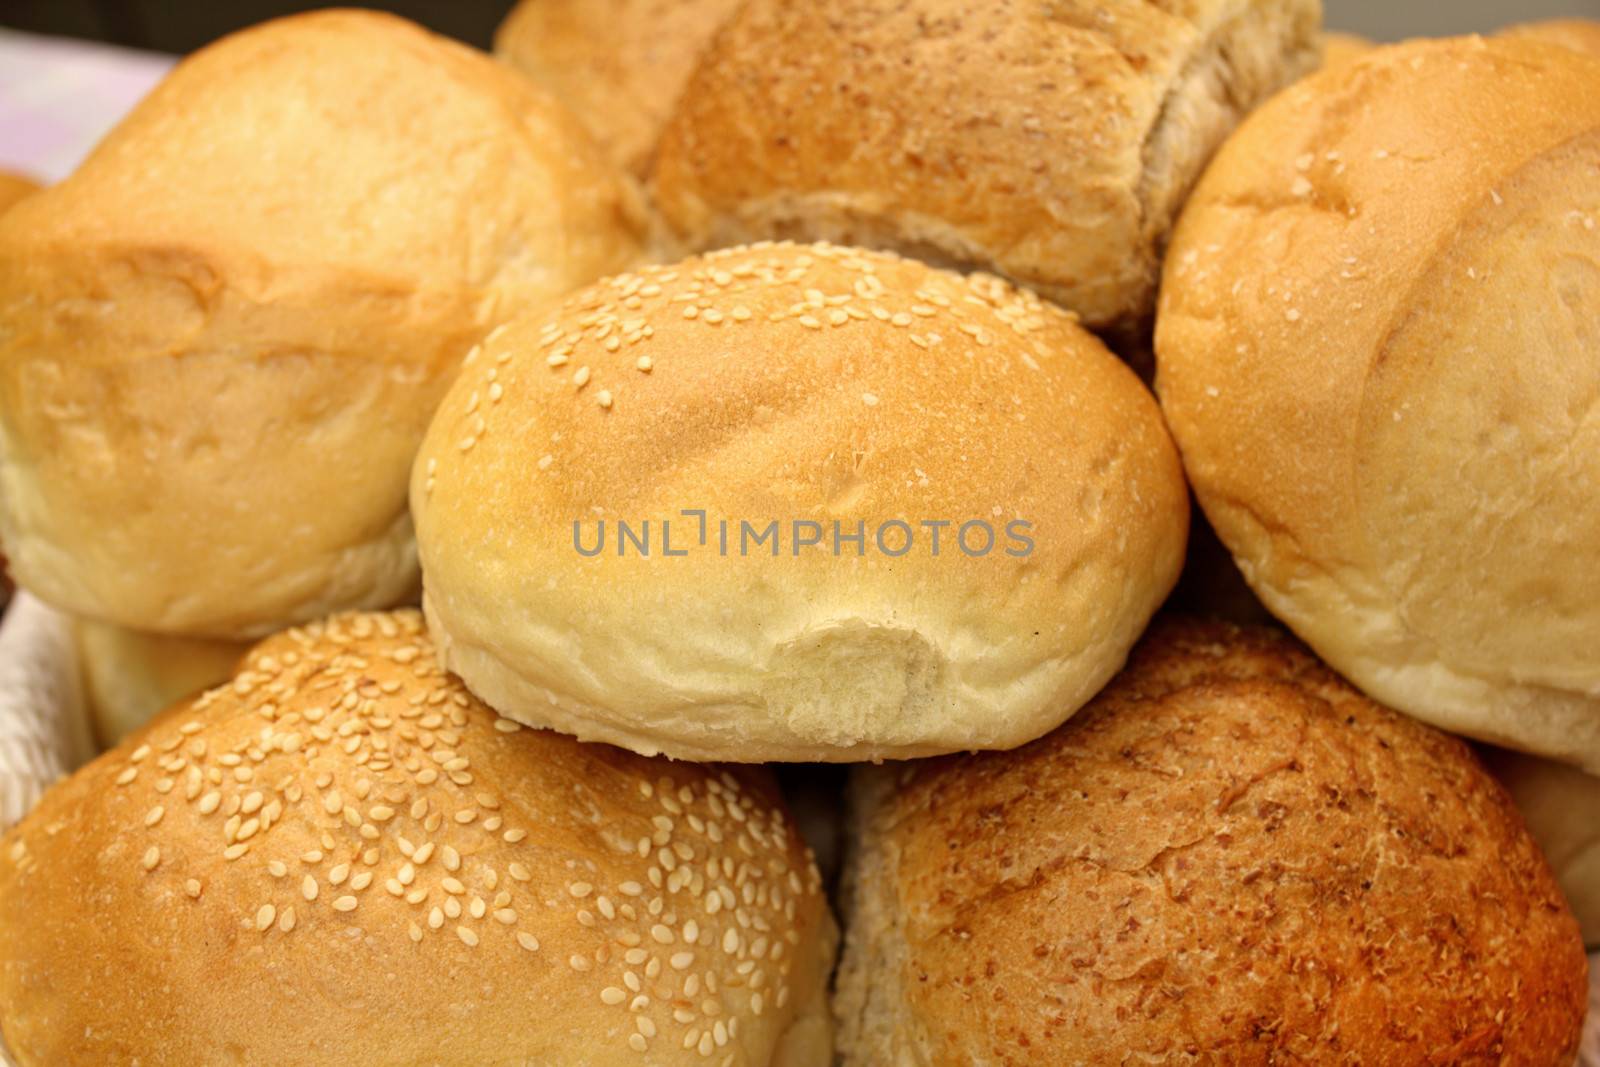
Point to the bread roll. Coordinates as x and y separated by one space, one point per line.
1229 857
1562 809
758 390
1580 35
1377 350
619 64
1341 48
128 676
14 187
341 857
1050 141
225 333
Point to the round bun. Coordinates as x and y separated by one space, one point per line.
342 857
1562 809
1229 857
787 385
620 65
226 331
1341 48
1376 349
1580 35
14 187
129 676
1049 141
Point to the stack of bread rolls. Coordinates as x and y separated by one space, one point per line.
488 465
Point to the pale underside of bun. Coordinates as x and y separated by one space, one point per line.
1376 352
1050 143
129 676
811 383
341 857
1561 806
225 333
1230 857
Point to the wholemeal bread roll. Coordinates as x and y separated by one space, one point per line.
1376 348
129 676
1229 857
341 857
225 333
618 64
14 187
737 398
1341 48
1562 809
1047 141
1580 35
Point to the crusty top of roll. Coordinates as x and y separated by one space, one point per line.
777 384
1229 857
1051 142
226 331
618 64
1376 349
342 857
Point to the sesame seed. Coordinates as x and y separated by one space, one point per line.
468 936
265 916
154 815
152 857
580 889
192 887
528 941
579 963
308 887
345 904
612 995
638 1043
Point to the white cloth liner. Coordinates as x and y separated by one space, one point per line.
44 734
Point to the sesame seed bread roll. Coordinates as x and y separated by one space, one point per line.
225 333
1376 349
1561 806
129 676
14 187
769 387
1580 35
1048 141
1229 857
342 857
620 65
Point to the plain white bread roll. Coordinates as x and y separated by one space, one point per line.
770 387
340 857
224 334
1561 806
129 676
1376 347
1049 141
618 64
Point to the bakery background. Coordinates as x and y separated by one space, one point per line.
58 95
67 71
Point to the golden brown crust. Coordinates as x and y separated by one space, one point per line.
796 383
227 330
1230 857
342 857
1048 142
1376 350
620 65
